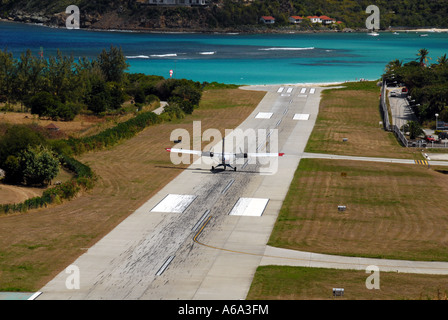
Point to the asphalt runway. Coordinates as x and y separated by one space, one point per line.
205 233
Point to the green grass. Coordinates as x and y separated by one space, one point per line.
388 212
300 283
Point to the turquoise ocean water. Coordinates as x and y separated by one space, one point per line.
235 58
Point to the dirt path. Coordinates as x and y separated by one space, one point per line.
14 194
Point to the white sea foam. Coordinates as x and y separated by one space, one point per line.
137 57
164 55
208 53
287 49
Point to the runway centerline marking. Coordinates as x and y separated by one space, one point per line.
228 186
165 265
204 216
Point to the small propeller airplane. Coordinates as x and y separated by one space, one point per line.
224 157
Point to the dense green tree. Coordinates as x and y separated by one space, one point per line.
59 88
414 129
187 92
39 165
60 76
7 73
44 104
112 64
13 170
16 139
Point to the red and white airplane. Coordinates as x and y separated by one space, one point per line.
225 158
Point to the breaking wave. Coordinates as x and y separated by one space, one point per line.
164 55
137 57
286 49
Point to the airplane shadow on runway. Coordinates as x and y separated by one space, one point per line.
208 171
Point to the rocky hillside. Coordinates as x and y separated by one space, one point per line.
225 15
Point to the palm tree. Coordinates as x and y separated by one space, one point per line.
414 129
443 60
423 57
394 64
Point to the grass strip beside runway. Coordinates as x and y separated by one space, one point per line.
300 283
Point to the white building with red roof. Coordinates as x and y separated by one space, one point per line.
327 20
267 19
295 19
314 19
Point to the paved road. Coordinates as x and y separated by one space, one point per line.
369 159
400 109
201 252
280 256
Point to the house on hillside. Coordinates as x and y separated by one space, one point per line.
295 19
322 19
327 20
314 19
267 19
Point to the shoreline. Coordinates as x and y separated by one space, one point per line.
254 30
303 84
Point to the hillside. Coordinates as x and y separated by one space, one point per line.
226 15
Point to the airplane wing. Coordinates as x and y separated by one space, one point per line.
259 155
236 155
195 152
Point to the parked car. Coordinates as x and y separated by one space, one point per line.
393 94
443 135
404 90
430 139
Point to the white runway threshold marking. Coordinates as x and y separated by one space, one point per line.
250 207
263 115
175 203
301 117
